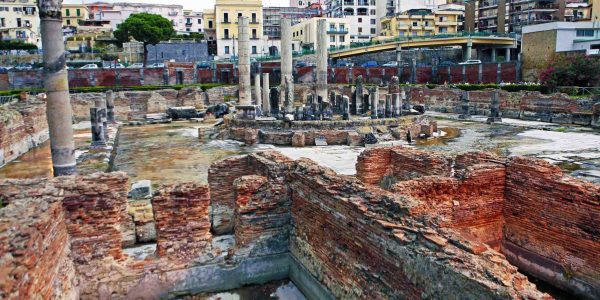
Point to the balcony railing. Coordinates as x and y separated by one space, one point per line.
337 31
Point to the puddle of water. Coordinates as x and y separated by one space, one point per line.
37 162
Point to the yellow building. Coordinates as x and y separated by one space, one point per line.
595 10
338 34
73 13
226 14
20 20
421 22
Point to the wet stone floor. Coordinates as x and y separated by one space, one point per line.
281 289
171 153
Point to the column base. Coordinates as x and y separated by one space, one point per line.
64 170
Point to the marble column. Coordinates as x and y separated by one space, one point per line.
110 107
58 106
257 92
397 103
266 104
101 104
322 45
388 106
374 101
346 108
287 79
245 95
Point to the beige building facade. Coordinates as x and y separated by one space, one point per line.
421 22
338 33
20 20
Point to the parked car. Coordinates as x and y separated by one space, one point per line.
90 66
343 63
115 66
156 65
390 64
136 66
369 64
471 62
203 65
24 67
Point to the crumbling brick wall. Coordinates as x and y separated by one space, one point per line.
23 126
471 203
35 248
552 225
94 207
182 223
362 243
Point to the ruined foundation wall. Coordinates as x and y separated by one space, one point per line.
35 249
362 243
181 217
552 226
23 126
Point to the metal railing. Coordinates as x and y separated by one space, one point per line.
578 91
6 99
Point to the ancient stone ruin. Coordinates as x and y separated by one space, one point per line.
444 227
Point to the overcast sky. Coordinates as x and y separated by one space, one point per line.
187 4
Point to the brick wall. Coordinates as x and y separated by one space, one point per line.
182 223
35 249
94 207
361 243
22 127
552 225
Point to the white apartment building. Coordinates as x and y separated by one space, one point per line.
193 21
20 20
363 16
337 32
118 12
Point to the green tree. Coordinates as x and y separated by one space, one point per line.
149 29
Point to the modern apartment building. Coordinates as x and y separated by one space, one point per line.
226 19
118 12
338 34
421 22
363 16
193 21
542 42
74 13
210 30
303 3
20 20
272 18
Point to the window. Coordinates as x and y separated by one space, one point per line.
187 29
225 17
332 38
254 50
359 29
359 20
426 23
254 36
443 29
226 33
68 22
585 32
200 21
373 22
2 22
19 22
373 31
210 24
342 39
373 12
415 23
78 12
67 12
240 15
254 18
226 49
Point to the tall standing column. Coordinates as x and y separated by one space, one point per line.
245 95
257 92
266 104
322 45
287 79
110 107
56 83
374 102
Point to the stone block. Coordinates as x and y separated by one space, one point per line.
298 139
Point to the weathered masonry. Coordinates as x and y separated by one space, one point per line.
434 234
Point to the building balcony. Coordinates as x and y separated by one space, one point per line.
254 22
226 22
188 24
447 23
337 31
226 37
428 28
